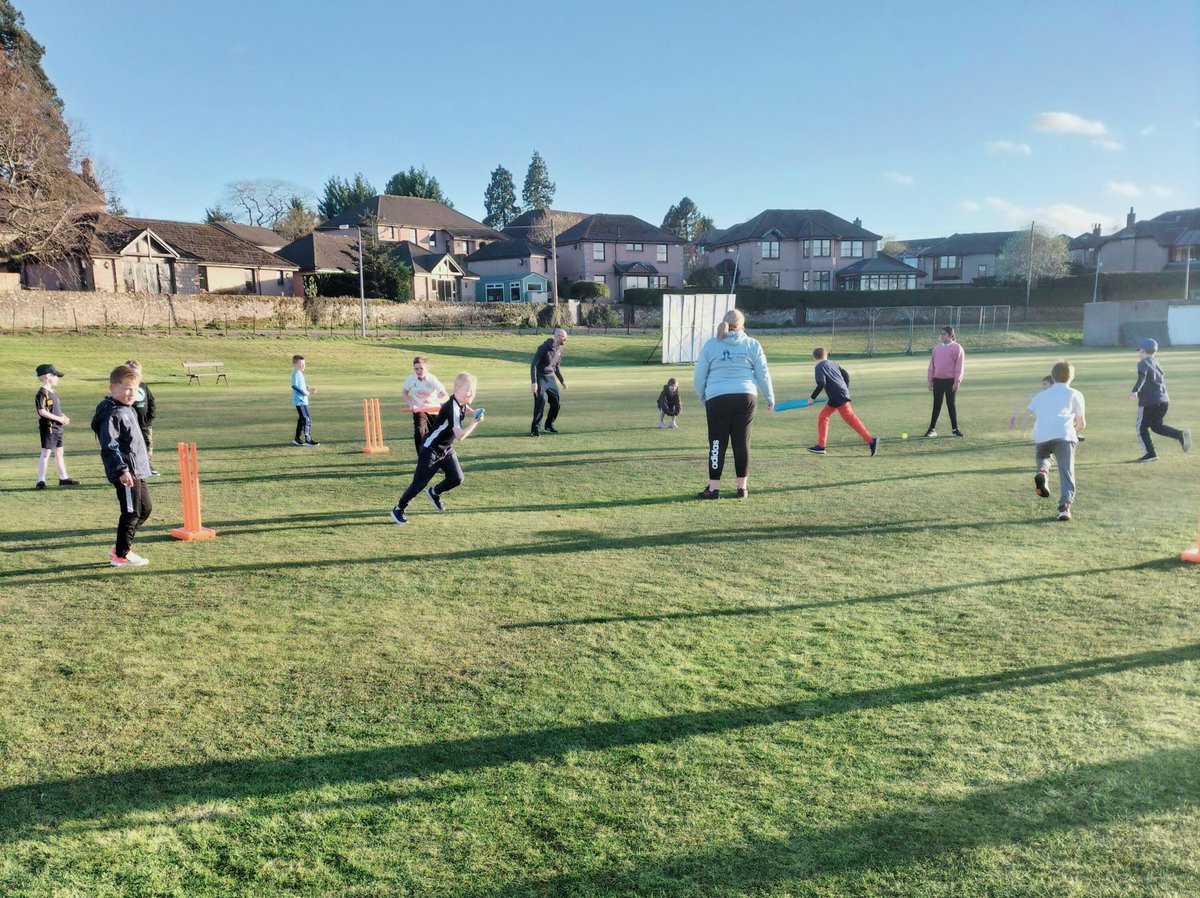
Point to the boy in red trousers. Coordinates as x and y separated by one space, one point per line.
835 381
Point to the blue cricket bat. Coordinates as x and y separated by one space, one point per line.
797 403
478 414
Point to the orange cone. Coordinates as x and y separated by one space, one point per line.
1193 555
189 483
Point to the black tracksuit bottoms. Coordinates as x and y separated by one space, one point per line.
429 463
135 508
943 388
730 420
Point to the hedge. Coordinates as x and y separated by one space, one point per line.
1066 291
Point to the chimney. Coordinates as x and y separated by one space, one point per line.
858 222
1096 230
89 176
1130 218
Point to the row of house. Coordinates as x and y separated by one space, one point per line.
455 258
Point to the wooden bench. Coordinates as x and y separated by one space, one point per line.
196 369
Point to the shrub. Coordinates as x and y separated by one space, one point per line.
602 316
555 315
589 290
705 277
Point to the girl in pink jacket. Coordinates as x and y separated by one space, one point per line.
945 374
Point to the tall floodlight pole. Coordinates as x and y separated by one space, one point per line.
1187 276
1096 281
1029 274
362 295
554 253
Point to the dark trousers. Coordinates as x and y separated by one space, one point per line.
422 422
547 393
1150 417
429 463
303 424
135 508
943 388
730 420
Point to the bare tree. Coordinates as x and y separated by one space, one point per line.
545 230
262 201
1051 256
43 203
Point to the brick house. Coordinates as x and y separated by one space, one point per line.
621 251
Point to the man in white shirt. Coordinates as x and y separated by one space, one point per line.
424 395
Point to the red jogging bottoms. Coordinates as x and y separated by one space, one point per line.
848 416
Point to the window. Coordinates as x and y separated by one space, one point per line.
770 249
597 252
804 281
514 292
852 249
636 281
202 278
948 262
660 254
821 279
816 248
770 280
982 271
598 278
459 247
634 247
947 267
250 285
1181 254
881 282
493 293
279 280
731 249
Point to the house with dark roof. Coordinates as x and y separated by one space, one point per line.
622 251
535 226
1162 243
263 238
437 276
957 260
788 249
1083 248
431 225
511 271
146 255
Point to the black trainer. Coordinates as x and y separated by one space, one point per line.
550 428
707 493
435 499
817 450
958 433
1039 485
40 485
297 443
742 492
931 432
398 517
311 443
1149 456
535 432
67 481
874 445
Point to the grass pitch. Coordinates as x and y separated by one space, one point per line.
895 676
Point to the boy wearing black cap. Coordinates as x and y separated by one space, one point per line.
50 427
1150 391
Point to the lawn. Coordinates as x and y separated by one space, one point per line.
895 676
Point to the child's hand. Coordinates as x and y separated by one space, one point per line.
311 390
126 479
1133 395
66 420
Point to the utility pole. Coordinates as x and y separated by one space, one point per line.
1096 281
1029 274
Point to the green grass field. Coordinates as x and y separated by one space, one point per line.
895 676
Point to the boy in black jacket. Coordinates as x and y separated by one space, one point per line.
123 451
835 381
143 406
670 404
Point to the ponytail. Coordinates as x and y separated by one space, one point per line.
733 320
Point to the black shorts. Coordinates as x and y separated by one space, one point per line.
52 437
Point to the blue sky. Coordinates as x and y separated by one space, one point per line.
922 119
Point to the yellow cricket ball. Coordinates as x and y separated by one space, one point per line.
904 436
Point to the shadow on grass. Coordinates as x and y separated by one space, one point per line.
1157 564
888 847
553 543
45 807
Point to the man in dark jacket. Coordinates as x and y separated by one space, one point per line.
542 372
126 463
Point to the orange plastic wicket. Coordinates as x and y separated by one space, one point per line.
1193 555
189 483
373 425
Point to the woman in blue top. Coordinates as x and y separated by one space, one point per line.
729 373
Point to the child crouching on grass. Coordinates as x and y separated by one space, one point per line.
455 422
126 462
1059 412
670 404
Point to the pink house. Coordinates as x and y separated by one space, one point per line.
430 225
620 251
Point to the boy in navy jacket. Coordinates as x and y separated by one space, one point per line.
1150 391
126 462
835 381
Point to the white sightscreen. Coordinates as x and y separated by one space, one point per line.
1183 325
689 320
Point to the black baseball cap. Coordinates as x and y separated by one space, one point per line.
49 369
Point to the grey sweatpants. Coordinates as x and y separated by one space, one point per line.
1063 452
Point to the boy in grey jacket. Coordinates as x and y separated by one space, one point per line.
126 462
1150 391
